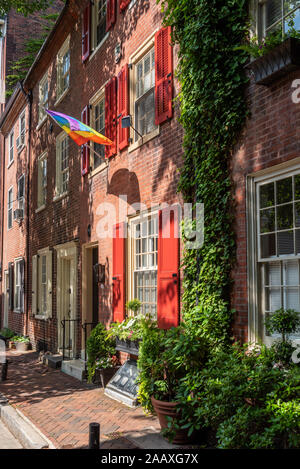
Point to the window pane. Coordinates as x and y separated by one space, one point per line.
266 194
284 190
268 245
285 242
273 12
285 217
267 220
273 274
291 273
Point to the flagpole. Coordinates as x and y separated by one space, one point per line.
90 148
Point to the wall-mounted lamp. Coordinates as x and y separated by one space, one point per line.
99 270
126 123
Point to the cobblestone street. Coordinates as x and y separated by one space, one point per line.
62 407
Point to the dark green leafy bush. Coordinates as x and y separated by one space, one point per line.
98 346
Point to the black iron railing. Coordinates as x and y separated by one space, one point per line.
70 334
87 328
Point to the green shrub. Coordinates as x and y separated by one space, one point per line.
7 333
133 305
246 401
283 322
20 338
165 357
98 346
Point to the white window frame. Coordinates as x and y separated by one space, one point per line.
261 28
255 264
131 247
22 132
134 59
60 192
94 45
10 206
21 200
18 293
61 76
11 142
42 184
43 102
96 99
40 313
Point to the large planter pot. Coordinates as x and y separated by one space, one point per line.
277 63
21 346
128 346
165 409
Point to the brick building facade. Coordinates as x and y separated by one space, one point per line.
101 62
105 60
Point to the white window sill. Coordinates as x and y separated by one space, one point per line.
60 196
18 311
42 207
62 96
41 123
9 164
99 46
99 169
42 317
142 140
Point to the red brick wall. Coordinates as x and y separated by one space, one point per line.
153 166
271 137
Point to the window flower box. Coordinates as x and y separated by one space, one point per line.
277 63
127 346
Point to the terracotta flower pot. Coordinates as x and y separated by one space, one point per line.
22 346
165 409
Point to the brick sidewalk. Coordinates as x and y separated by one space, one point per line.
62 407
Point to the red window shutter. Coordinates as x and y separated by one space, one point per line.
86 28
123 134
123 4
111 116
163 75
85 152
110 13
168 269
119 272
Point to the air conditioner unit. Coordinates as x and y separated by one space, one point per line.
18 214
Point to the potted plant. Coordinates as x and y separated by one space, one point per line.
165 358
275 55
21 343
128 333
105 368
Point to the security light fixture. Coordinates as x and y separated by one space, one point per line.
126 123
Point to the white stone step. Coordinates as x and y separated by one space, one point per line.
73 368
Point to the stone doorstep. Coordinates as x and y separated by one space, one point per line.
75 368
23 429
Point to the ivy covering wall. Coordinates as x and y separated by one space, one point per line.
213 111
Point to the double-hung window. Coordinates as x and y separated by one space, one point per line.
19 285
278 247
10 208
62 164
22 130
21 195
98 116
143 262
43 97
11 147
63 68
278 15
98 22
42 181
144 106
42 283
